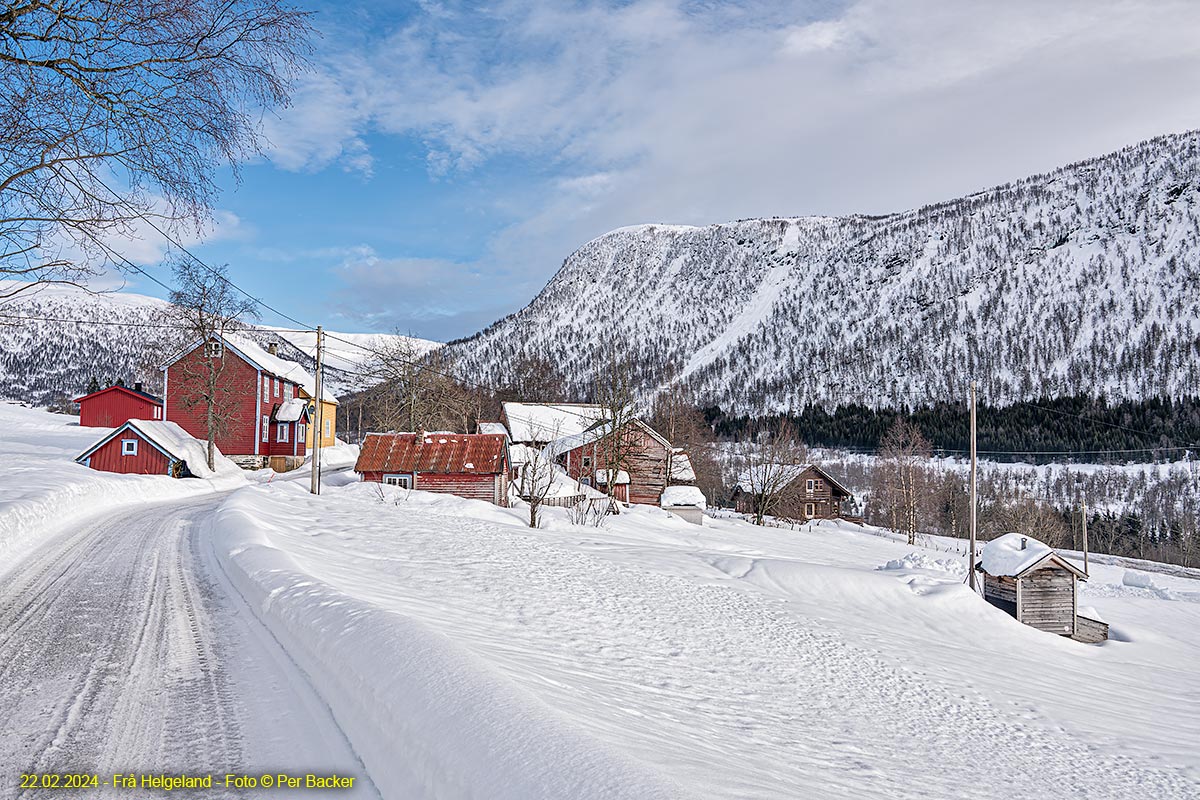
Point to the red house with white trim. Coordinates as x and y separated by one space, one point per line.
149 447
472 465
116 405
264 417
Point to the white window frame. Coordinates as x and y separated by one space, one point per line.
328 426
587 461
129 447
287 391
266 389
810 510
266 428
300 431
403 481
213 349
278 386
281 433
158 412
809 485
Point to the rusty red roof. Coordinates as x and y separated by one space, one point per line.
471 453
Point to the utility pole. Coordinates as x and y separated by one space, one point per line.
1083 510
319 433
971 547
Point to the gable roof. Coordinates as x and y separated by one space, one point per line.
140 395
254 355
292 410
782 475
170 440
1006 557
469 453
596 433
545 422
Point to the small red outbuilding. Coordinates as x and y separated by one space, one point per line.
472 465
148 447
116 405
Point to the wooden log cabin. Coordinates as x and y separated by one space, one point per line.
1032 582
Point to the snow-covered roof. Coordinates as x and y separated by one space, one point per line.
620 477
772 477
676 496
175 442
291 410
545 422
493 427
681 466
279 367
1013 555
594 434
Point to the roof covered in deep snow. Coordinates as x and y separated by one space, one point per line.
1014 555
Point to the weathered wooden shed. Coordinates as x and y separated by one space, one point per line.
1031 581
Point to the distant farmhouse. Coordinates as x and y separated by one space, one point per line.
794 491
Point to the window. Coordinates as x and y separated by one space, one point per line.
212 349
158 412
809 485
266 389
266 428
403 481
277 383
300 432
281 434
810 510
587 461
287 391
129 447
328 427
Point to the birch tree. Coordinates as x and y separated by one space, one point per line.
115 111
902 485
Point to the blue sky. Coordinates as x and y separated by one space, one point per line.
443 158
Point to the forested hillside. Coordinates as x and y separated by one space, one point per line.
1081 281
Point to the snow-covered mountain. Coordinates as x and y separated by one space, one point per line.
56 354
1084 279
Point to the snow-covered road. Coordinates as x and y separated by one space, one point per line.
123 647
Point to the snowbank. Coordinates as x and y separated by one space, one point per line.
43 490
919 560
428 718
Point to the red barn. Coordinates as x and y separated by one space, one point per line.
148 447
472 465
252 388
643 459
116 405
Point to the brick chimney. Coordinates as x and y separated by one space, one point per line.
273 348
137 387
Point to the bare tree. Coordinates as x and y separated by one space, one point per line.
535 481
207 308
902 487
769 461
112 111
615 392
415 391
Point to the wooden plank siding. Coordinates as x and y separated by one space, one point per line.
114 407
148 461
647 463
489 488
1048 601
241 385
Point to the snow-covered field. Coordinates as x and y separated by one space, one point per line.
465 654
454 652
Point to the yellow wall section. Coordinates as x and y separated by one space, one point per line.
328 412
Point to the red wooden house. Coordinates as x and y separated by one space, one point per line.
116 405
256 394
472 465
148 447
642 456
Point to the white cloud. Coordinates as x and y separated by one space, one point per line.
680 112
